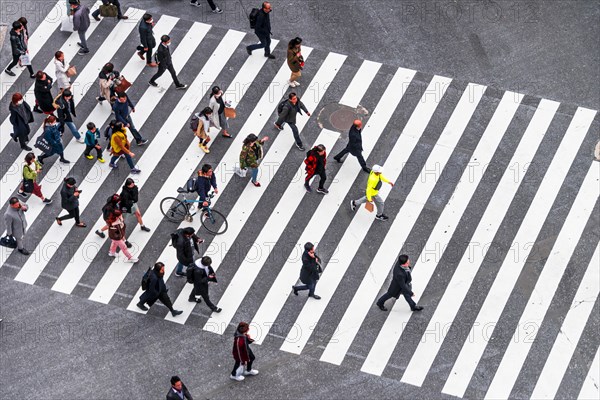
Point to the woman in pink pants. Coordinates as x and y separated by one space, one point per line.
116 233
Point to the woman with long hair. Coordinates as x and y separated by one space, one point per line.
20 118
52 136
62 79
295 61
218 104
31 169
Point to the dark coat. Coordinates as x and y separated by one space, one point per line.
17 43
156 286
310 268
146 35
42 93
174 396
315 163
400 283
66 110
129 196
163 54
203 186
354 140
81 18
240 350
122 110
185 251
289 111
263 24
52 136
201 280
68 200
20 126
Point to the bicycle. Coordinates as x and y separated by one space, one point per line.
176 210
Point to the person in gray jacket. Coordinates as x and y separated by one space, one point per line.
81 23
16 223
287 111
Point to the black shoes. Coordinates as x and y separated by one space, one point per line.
142 142
352 205
145 228
382 307
367 170
338 160
314 296
9 72
300 147
26 148
141 306
249 51
322 191
181 86
176 312
382 217
270 56
24 252
417 308
194 300
180 274
64 161
153 84
100 233
217 310
129 245
295 290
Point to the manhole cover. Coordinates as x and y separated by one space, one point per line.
337 117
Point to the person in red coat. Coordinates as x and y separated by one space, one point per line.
242 354
316 159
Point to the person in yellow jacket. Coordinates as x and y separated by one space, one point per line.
120 146
374 183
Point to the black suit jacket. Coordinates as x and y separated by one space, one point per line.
355 140
163 54
174 396
400 282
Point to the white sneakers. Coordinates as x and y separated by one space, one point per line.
240 378
237 378
132 260
112 254
251 372
293 83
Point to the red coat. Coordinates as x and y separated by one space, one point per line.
311 161
240 347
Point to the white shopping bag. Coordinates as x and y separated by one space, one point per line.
66 24
25 60
240 172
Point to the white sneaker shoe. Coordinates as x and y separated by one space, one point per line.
296 83
237 378
80 140
112 254
251 372
132 260
291 84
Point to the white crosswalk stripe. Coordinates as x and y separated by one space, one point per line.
346 314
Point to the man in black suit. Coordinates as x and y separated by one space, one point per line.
400 285
165 62
200 274
178 390
309 274
354 145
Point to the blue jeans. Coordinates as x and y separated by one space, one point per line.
310 287
179 268
265 41
114 159
73 130
295 132
134 132
254 172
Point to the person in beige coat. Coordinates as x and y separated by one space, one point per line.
217 103
63 81
295 61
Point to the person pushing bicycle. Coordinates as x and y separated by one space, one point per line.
206 180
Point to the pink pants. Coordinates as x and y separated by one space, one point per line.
122 246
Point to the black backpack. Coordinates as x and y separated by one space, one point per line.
189 274
194 122
146 279
107 211
280 106
190 185
174 237
252 17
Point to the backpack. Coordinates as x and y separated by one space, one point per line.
280 106
146 279
252 17
189 274
107 210
174 237
194 122
190 185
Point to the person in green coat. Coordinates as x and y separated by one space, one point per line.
251 155
31 168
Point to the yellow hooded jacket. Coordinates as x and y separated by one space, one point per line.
372 184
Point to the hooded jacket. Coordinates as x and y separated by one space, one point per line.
315 162
17 43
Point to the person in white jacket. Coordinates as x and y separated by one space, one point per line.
218 104
62 79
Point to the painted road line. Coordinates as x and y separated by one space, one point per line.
591 386
497 207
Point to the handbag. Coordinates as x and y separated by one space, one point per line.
25 60
66 25
8 241
240 370
240 172
71 71
108 10
229 112
123 85
369 206
28 185
42 144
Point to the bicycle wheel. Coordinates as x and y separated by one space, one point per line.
216 223
173 209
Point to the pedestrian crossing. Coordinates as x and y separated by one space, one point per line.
420 128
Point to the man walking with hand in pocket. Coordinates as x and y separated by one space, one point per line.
165 62
400 285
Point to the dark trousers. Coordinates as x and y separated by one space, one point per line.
44 155
133 130
71 214
114 159
248 364
321 182
23 139
161 70
202 292
89 148
358 155
295 132
386 296
211 3
148 52
163 297
265 41
310 287
15 61
96 13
